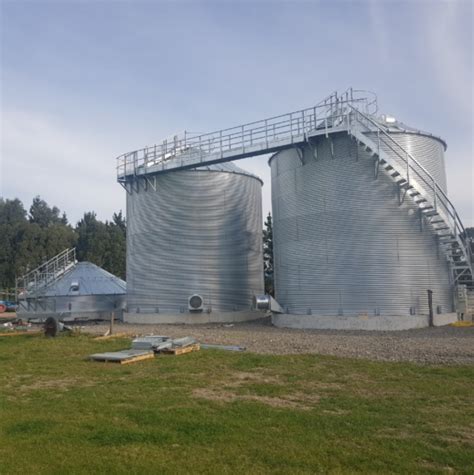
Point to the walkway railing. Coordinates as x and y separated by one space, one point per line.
254 138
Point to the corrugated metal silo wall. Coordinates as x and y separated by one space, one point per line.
428 151
343 244
199 232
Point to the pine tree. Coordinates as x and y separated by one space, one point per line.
268 254
43 215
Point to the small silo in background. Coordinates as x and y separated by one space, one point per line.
71 291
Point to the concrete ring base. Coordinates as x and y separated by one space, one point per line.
362 322
191 318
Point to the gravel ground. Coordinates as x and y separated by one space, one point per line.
442 345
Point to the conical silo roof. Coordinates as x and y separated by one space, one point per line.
86 278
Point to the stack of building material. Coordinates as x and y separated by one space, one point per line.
180 346
155 343
146 347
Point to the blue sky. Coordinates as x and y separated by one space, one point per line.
84 81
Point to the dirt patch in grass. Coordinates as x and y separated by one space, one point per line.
229 391
459 436
291 401
240 378
63 384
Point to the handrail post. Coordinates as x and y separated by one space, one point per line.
435 193
266 133
302 121
408 167
220 142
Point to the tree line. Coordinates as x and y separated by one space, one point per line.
30 237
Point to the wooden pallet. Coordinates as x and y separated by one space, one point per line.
181 350
136 359
112 357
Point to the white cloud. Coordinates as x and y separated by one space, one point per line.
450 52
68 169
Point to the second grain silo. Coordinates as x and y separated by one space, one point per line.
194 245
353 237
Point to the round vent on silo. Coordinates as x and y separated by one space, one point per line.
195 303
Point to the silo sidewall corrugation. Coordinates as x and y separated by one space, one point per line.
199 233
343 245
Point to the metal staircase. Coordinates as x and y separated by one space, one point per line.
31 285
352 112
415 183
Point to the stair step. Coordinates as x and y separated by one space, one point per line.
442 228
421 200
430 212
438 221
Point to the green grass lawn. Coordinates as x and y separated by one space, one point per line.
222 412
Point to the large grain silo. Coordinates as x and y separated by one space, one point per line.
350 240
194 245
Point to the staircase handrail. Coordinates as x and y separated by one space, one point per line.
43 271
49 261
439 194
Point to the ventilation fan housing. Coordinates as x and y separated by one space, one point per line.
195 303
